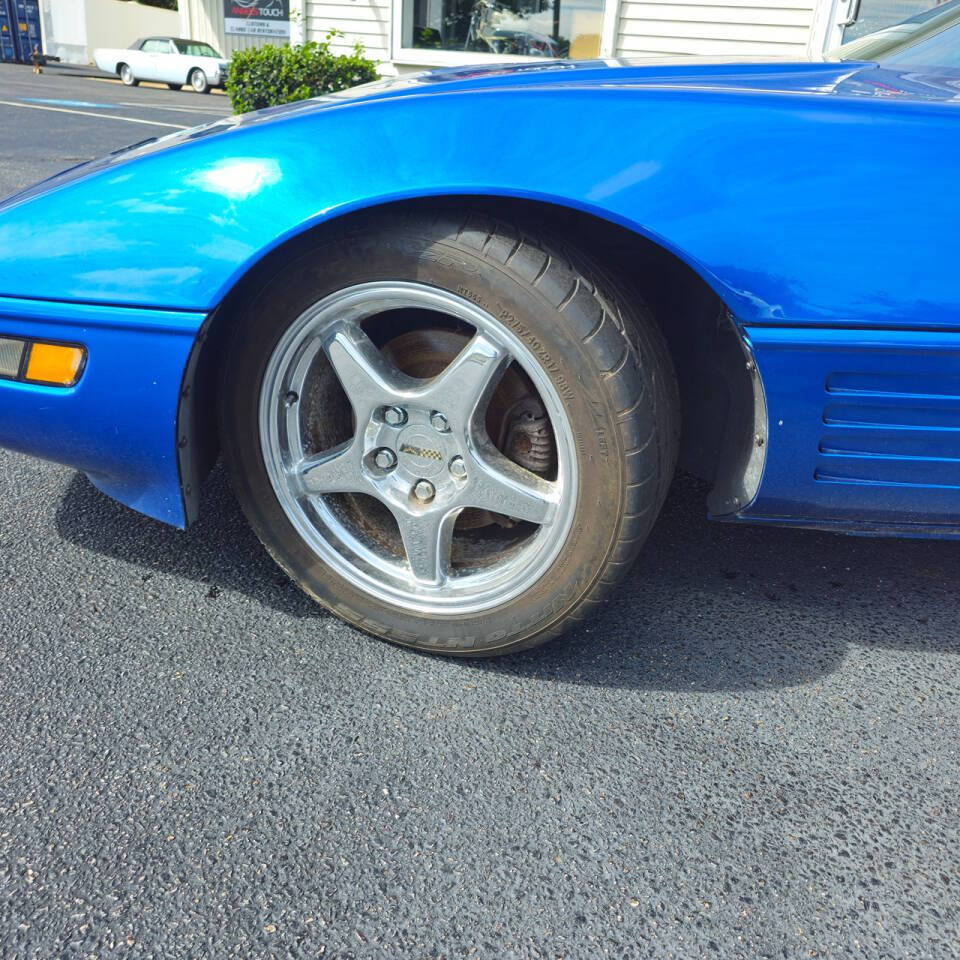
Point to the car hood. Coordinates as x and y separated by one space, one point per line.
787 78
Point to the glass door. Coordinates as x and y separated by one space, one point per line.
857 18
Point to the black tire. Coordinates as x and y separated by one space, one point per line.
175 86
198 81
601 344
126 76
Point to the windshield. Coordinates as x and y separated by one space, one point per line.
193 48
927 39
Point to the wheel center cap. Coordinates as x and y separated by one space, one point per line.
420 452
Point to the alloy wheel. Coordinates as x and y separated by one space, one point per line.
392 506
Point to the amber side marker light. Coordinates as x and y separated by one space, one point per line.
52 364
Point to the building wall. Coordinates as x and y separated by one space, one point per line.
114 23
641 28
366 21
760 28
645 28
73 29
64 26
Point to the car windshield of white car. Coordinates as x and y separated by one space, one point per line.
193 48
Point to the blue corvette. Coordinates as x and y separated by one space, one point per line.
453 333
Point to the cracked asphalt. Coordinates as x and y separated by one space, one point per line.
751 752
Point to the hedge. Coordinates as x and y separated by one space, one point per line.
268 76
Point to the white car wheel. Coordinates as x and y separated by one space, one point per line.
199 82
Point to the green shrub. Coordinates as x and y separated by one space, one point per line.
268 76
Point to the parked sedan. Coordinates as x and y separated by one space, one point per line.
451 390
166 60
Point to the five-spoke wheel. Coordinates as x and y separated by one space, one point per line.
447 430
420 447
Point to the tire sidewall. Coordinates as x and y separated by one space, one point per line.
413 256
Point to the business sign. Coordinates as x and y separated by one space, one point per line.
257 18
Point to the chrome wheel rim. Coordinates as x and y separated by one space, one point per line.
419 447
199 81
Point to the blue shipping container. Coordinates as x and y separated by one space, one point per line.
19 30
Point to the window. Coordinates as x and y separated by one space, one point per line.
461 31
871 16
156 46
194 48
940 51
933 32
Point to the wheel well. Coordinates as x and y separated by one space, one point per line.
718 392
120 66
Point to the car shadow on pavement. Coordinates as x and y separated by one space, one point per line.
707 606
220 549
714 606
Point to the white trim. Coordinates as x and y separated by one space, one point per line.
825 31
610 28
297 25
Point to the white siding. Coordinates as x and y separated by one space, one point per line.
366 21
643 28
762 28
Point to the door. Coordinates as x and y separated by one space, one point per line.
170 64
857 18
27 16
151 62
8 50
19 30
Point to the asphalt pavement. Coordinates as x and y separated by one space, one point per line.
751 752
67 115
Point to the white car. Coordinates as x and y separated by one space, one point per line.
166 60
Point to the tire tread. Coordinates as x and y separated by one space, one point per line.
630 347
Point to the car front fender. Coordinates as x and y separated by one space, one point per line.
794 207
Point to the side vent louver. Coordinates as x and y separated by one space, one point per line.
891 428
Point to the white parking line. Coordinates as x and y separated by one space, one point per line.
99 116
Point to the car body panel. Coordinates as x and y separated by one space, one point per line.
693 175
863 425
118 424
815 199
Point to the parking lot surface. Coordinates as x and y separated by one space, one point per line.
751 752
64 116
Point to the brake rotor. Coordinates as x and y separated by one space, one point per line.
426 352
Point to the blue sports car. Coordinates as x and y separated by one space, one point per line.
453 333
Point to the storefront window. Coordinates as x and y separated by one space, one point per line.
522 28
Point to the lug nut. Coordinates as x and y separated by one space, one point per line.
423 491
439 422
385 459
395 416
458 468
